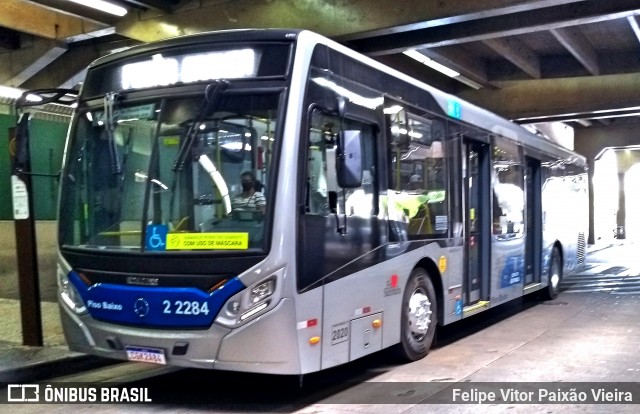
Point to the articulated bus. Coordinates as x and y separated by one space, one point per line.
271 201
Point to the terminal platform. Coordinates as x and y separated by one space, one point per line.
589 333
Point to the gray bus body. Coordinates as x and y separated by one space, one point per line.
391 207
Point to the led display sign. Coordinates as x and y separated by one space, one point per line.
186 65
161 71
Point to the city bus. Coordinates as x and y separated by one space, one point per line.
270 201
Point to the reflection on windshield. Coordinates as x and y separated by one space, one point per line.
149 205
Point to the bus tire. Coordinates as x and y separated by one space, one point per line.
555 276
419 317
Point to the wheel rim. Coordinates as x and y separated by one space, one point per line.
419 314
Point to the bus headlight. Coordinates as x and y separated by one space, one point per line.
69 294
262 291
251 302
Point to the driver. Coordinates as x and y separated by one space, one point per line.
249 199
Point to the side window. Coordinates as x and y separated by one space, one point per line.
417 173
321 170
508 191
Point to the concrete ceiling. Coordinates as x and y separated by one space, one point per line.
576 61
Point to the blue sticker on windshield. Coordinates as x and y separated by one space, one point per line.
156 237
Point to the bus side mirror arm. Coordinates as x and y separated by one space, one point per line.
341 225
333 188
333 202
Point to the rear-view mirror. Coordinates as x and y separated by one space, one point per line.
349 162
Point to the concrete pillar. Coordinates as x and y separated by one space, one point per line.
591 236
621 216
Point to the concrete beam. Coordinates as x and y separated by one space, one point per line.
66 69
518 53
331 18
55 51
17 62
578 45
538 98
24 16
528 21
62 69
74 80
633 22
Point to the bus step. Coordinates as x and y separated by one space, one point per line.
476 307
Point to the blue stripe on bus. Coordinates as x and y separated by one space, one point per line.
177 307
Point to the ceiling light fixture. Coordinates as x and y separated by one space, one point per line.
414 54
104 6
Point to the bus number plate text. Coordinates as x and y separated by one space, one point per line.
339 333
185 307
153 355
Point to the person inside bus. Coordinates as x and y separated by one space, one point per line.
415 183
250 199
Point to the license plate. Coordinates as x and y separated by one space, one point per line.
153 355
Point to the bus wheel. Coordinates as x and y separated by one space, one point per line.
419 317
555 276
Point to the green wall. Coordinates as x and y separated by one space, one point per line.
6 121
47 146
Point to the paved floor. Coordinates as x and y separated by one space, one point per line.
17 361
46 246
582 340
588 334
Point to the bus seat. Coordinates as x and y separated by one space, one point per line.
421 224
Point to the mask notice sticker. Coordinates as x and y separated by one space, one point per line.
207 241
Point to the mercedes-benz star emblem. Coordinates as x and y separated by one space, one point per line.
141 307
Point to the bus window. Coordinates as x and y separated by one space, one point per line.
508 191
321 175
154 187
417 173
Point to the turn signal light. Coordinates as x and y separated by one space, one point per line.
314 340
376 323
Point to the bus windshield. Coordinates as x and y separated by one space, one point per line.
170 174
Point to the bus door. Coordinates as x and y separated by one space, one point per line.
477 202
533 240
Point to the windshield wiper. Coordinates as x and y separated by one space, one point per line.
110 126
212 96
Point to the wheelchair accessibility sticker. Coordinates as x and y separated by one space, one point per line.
156 237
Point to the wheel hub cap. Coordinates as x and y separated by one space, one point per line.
419 314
